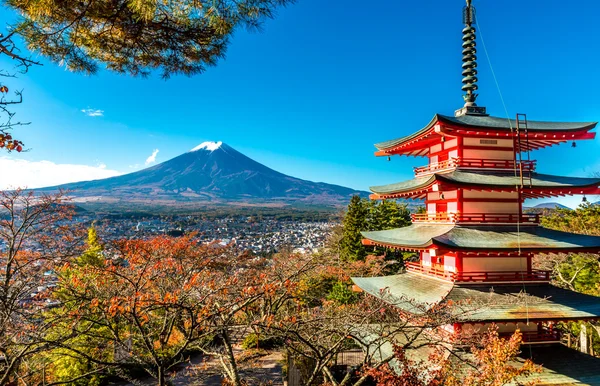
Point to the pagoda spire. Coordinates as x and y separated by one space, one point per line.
469 65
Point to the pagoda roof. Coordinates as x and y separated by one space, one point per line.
483 238
484 180
486 123
417 293
561 366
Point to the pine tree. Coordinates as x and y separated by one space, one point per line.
137 36
398 215
355 221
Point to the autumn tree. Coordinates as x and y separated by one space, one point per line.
136 37
35 241
491 361
155 300
316 336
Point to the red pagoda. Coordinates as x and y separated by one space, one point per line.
474 241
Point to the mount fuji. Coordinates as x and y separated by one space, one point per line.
212 173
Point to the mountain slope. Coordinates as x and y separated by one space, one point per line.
550 205
213 172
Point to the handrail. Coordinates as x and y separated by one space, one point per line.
437 166
533 275
482 218
475 163
417 267
481 276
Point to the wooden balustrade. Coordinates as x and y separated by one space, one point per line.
474 163
417 267
437 166
482 218
482 277
534 275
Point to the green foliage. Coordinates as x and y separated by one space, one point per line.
63 365
355 221
367 215
311 291
255 341
583 271
93 253
341 294
585 219
137 36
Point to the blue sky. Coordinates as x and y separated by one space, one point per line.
324 81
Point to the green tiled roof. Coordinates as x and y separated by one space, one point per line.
529 302
562 366
414 235
484 237
407 291
415 293
498 123
486 179
488 122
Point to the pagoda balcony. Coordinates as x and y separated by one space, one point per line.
544 336
474 163
476 218
538 276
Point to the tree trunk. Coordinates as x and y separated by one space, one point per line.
161 376
315 372
231 359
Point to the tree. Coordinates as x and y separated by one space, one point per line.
137 36
575 271
59 364
9 49
490 362
365 215
354 222
316 336
145 307
155 300
35 243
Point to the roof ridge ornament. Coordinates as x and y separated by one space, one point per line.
469 65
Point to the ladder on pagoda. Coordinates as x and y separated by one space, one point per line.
522 127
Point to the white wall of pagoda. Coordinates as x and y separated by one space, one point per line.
494 264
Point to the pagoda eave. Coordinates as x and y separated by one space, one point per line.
484 239
482 302
537 136
531 185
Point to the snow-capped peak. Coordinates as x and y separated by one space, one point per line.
209 146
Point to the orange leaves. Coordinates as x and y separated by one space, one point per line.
7 142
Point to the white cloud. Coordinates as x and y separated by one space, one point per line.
93 112
38 174
152 158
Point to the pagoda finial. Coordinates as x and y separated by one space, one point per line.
469 65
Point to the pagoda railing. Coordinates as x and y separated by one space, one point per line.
481 218
474 163
536 337
448 164
534 275
417 267
480 277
